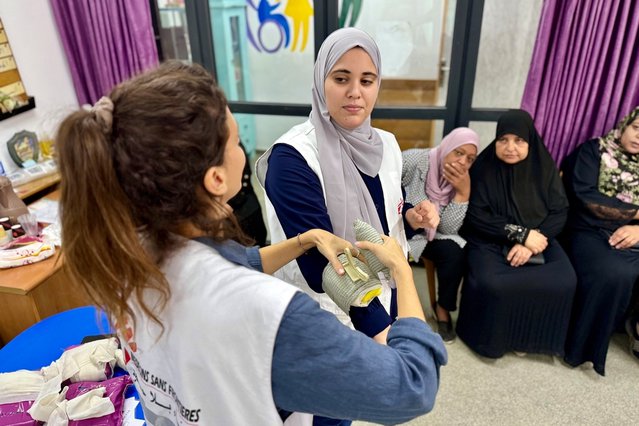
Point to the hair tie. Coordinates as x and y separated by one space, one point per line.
103 110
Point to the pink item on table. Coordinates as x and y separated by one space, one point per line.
115 390
25 250
15 414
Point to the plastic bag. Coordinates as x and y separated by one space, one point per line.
15 414
115 389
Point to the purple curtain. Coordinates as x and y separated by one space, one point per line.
106 42
584 74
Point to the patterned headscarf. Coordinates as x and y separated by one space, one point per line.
343 153
619 170
436 187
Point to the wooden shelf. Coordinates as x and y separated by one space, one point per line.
23 279
30 105
407 92
30 293
30 188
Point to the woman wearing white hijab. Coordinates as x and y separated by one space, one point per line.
335 168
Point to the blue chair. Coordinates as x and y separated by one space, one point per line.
44 342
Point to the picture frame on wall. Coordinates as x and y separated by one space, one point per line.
13 95
23 148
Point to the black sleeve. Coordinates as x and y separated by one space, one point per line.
557 208
481 220
584 184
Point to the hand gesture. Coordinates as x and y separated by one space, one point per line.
536 241
423 215
459 178
624 237
390 253
518 255
330 246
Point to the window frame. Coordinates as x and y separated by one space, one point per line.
457 111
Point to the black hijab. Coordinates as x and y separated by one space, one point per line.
523 193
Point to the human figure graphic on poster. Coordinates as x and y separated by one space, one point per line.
301 12
266 16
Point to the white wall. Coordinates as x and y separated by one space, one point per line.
283 76
408 34
509 29
41 60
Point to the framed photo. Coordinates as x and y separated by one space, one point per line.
23 148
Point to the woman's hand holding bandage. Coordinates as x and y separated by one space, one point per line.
391 254
329 245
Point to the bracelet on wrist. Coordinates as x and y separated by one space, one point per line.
299 242
516 233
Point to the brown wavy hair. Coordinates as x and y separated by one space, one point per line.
127 185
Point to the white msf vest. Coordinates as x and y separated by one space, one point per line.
212 364
302 138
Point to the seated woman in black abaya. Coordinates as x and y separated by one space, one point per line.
602 181
517 207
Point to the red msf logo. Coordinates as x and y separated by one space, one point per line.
400 206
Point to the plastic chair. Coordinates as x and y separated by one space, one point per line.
44 342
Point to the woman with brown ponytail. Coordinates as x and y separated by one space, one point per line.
208 338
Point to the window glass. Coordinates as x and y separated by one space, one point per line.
174 35
264 49
409 133
414 39
486 131
271 127
506 44
412 133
